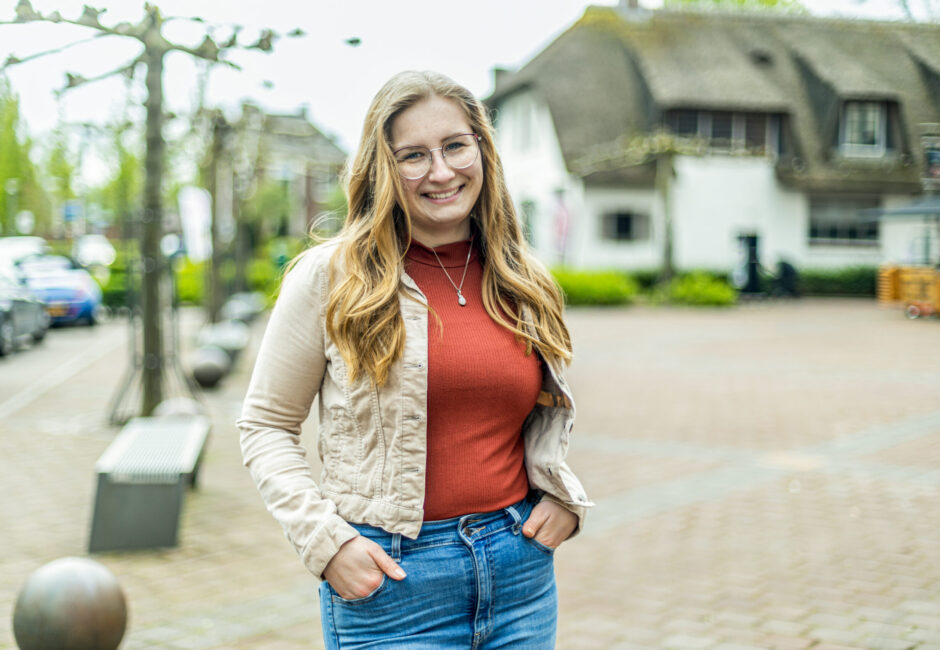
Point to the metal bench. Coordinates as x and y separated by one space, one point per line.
142 479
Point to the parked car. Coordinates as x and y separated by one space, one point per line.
13 249
21 314
70 293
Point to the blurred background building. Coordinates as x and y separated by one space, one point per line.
638 135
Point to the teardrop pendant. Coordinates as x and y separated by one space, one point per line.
461 300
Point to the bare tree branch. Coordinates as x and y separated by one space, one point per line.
13 59
75 80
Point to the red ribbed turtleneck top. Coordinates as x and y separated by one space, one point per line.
481 387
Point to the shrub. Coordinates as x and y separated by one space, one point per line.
114 291
699 289
596 287
852 281
263 276
190 282
645 278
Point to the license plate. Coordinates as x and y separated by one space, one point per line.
58 310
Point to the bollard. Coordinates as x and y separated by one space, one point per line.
209 364
230 335
70 604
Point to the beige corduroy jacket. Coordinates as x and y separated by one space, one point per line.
371 440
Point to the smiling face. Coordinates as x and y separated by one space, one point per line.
441 201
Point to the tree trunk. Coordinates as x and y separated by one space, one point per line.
151 257
214 281
664 174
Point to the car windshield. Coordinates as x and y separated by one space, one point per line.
45 265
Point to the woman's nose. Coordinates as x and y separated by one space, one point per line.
440 170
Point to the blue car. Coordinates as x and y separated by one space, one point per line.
71 294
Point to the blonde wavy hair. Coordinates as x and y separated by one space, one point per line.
363 315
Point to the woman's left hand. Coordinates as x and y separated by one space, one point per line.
550 524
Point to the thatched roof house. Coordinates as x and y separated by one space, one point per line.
617 74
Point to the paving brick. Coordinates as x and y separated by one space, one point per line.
688 642
787 643
834 635
886 643
830 621
785 628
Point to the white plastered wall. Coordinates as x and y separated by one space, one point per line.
714 200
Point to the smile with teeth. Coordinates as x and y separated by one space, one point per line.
442 195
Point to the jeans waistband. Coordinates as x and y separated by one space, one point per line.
448 530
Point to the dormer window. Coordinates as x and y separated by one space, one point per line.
863 130
727 131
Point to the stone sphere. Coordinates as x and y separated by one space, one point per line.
210 364
70 604
178 406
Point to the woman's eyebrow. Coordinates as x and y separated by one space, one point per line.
396 147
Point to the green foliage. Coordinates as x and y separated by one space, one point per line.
263 276
190 282
120 194
698 288
114 291
270 206
646 278
596 287
17 171
852 281
60 166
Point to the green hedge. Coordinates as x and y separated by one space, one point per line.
596 287
698 288
852 281
190 282
114 291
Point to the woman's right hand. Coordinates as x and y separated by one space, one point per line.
356 569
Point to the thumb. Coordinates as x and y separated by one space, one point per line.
388 566
537 517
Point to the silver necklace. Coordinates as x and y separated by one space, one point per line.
460 299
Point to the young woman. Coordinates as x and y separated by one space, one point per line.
435 345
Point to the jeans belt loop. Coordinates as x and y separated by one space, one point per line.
516 519
396 547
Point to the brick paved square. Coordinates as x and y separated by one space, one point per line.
765 477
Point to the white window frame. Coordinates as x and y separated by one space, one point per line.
880 146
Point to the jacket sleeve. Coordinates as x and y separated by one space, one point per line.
286 378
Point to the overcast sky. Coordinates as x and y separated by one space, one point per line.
320 71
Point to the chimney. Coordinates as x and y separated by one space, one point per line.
632 11
499 76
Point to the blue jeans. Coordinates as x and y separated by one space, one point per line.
473 582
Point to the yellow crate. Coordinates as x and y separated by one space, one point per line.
888 285
918 285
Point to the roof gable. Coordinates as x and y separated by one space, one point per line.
608 77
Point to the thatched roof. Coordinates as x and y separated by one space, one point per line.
614 75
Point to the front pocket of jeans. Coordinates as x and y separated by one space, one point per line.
548 550
365 599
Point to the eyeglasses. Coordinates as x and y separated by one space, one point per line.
459 152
